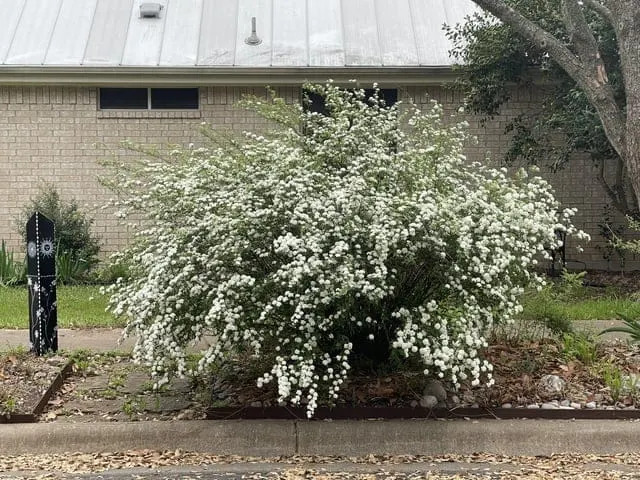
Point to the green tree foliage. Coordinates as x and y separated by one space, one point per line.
494 60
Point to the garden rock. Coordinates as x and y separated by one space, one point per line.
632 380
552 384
435 389
428 401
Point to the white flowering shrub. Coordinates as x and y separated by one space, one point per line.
329 238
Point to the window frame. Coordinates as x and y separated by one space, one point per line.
320 107
149 107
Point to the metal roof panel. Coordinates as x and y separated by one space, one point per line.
212 33
428 19
254 55
32 37
144 36
290 33
395 31
12 11
218 30
71 32
106 42
326 42
181 33
360 33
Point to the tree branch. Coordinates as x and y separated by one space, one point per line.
601 10
583 40
579 31
592 81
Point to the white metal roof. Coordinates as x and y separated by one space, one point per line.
212 33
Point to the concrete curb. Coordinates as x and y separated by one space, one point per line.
263 438
267 438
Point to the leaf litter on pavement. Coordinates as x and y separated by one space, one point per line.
560 466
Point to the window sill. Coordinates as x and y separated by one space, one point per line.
134 114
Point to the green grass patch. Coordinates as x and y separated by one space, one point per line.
599 308
78 307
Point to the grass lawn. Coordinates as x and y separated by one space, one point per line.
83 306
587 308
78 307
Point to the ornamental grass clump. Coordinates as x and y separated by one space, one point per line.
331 240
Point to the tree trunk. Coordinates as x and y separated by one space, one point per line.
628 15
582 62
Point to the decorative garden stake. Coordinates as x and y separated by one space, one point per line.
41 281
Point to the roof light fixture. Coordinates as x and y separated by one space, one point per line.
150 10
253 39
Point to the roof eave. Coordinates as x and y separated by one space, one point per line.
211 76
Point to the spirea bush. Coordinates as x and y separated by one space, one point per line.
330 239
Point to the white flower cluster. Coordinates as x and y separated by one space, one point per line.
330 232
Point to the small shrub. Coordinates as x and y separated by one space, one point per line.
109 273
571 285
614 379
579 346
11 271
69 268
73 227
327 240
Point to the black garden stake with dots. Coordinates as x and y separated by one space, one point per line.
41 281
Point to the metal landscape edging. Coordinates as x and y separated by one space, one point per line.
32 417
396 413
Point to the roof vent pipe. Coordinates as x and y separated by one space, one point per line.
150 10
253 39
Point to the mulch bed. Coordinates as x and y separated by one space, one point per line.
518 369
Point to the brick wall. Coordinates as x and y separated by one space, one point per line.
57 134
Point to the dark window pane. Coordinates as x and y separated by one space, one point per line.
174 98
389 95
313 102
125 98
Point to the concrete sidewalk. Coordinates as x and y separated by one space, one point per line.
106 339
98 339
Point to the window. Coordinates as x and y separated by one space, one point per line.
313 102
149 98
129 98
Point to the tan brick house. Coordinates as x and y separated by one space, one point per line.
79 76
